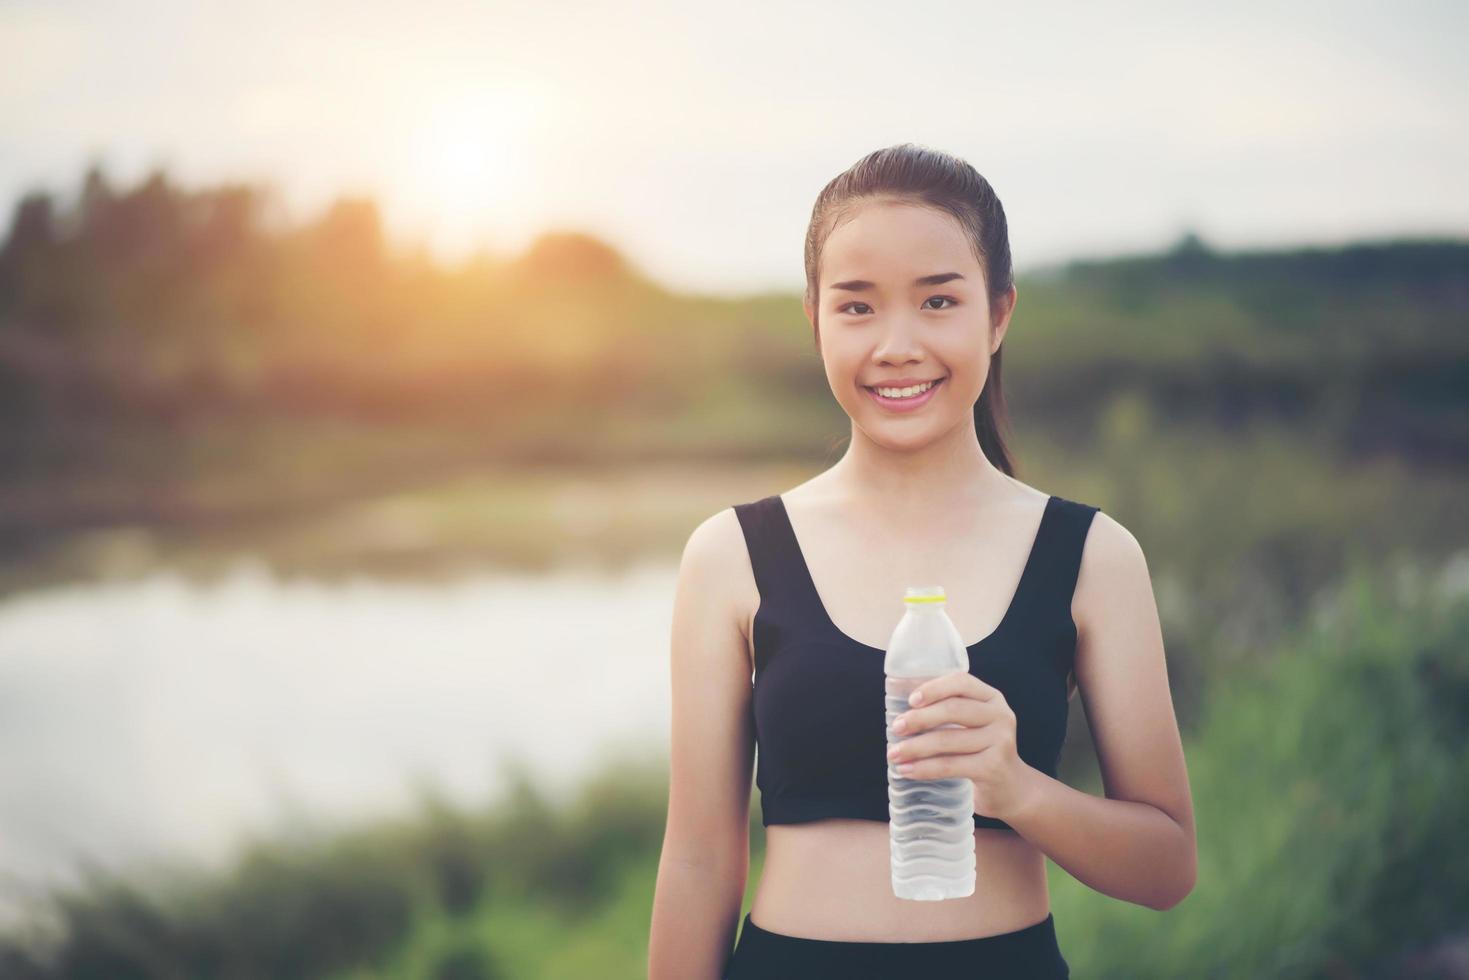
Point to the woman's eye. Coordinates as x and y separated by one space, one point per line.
851 307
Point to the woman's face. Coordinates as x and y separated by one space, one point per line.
886 318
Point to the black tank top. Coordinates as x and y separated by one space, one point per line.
820 720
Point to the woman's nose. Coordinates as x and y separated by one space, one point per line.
898 339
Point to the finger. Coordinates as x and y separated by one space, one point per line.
945 741
933 767
967 711
947 685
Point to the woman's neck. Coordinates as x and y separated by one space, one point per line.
949 472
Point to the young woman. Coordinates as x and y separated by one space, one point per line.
909 292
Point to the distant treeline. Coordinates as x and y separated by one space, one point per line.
155 304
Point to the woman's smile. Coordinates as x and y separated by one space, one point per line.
903 403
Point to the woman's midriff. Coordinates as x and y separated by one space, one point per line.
831 879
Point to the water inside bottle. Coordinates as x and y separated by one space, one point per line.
931 824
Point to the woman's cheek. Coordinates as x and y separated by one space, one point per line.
843 382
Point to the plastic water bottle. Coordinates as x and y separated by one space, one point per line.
930 821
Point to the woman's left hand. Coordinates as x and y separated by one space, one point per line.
983 750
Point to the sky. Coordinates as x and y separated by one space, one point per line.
695 137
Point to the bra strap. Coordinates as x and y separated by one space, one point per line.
775 564
1058 558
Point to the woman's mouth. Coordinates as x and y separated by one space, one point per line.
905 399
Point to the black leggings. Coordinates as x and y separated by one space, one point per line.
1026 953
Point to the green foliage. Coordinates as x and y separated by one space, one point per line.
1329 787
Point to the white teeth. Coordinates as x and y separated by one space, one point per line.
905 392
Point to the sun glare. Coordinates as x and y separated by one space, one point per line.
467 160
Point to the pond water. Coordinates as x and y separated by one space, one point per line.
161 719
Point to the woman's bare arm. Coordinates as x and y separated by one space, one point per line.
706 843
1137 843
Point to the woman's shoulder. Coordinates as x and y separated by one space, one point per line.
717 562
1113 571
1026 495
1111 557
1106 542
717 538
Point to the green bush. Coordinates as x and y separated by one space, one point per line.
1331 789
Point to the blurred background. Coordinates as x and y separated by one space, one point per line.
363 369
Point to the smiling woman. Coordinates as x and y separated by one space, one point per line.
781 603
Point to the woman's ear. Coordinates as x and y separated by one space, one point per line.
1002 325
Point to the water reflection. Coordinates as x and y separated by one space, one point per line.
164 719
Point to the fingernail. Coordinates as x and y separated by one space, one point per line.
900 725
916 697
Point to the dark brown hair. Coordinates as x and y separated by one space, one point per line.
930 178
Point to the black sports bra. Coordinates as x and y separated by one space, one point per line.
820 722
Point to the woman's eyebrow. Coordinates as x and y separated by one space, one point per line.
858 285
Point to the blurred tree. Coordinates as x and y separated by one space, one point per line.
26 247
32 226
139 228
227 224
571 257
96 191
1189 256
349 236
